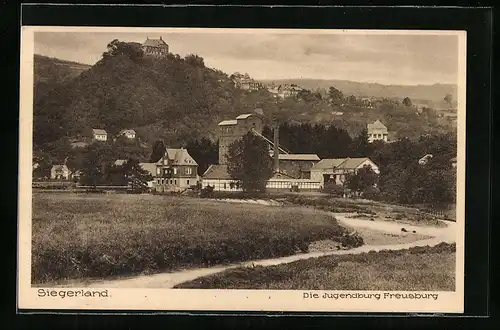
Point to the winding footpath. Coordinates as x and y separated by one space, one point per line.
169 280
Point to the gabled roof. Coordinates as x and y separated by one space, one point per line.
377 124
120 162
245 116
59 168
228 122
154 43
217 172
99 131
340 163
125 131
311 157
180 157
427 156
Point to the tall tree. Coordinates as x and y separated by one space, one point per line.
407 102
360 145
158 151
116 47
363 179
336 97
204 152
249 162
135 175
92 172
448 98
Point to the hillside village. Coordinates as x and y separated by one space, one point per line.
370 125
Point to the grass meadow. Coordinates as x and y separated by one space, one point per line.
77 236
418 268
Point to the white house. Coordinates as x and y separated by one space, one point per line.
424 160
128 133
99 134
335 170
60 172
377 132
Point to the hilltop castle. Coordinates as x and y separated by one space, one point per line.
155 47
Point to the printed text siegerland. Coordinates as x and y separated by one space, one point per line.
72 293
368 295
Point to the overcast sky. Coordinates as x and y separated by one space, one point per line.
385 59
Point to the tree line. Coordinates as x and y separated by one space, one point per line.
402 178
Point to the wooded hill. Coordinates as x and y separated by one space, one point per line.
179 99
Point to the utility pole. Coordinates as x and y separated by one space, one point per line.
276 147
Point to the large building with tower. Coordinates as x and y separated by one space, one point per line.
233 130
289 169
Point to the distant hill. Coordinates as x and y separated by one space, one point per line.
178 99
433 93
50 73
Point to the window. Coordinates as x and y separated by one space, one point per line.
170 181
224 185
175 170
175 181
158 171
189 170
188 182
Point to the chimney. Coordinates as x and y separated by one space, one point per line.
276 148
161 38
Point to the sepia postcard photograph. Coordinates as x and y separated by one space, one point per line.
182 169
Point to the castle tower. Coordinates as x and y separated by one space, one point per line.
233 130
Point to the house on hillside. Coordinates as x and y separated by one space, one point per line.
288 90
335 170
453 162
128 133
120 162
367 102
175 170
155 47
99 134
60 172
377 132
424 160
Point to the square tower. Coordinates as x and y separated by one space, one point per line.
233 130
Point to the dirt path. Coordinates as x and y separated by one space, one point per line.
169 280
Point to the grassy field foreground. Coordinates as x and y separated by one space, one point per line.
419 268
97 236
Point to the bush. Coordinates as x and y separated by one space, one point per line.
334 190
371 193
351 240
207 192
